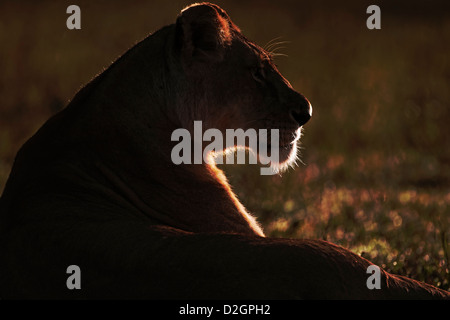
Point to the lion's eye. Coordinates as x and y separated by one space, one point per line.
259 74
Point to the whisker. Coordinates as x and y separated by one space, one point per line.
272 45
278 54
270 42
277 48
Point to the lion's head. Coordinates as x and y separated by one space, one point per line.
232 83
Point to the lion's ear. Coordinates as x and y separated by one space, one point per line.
202 33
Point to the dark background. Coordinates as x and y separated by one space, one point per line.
375 175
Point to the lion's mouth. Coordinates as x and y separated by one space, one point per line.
287 140
289 137
284 146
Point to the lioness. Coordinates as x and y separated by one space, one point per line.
95 186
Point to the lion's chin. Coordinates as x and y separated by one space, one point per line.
288 154
288 157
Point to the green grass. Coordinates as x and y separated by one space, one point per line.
375 176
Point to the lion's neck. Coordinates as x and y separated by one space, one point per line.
194 198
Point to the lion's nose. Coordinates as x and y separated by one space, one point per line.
302 114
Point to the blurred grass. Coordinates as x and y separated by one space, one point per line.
376 154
